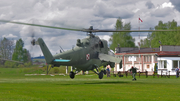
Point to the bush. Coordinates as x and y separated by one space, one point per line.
56 70
27 64
10 64
20 66
155 67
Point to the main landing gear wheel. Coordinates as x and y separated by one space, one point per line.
72 75
104 71
101 75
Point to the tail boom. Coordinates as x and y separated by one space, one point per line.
47 54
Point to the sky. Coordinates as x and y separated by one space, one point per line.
101 14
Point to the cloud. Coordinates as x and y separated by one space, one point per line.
105 10
149 5
176 4
101 14
167 4
162 12
11 36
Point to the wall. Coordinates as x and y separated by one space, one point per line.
169 65
141 61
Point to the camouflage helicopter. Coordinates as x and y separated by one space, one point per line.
89 53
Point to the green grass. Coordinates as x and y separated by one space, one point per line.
15 86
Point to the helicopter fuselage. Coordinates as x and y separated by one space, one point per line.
85 55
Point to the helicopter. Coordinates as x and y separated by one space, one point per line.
89 53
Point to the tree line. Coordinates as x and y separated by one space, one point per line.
16 52
153 40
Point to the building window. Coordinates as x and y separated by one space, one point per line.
132 58
162 64
147 58
165 64
126 58
175 64
155 58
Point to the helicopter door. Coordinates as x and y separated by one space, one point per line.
103 46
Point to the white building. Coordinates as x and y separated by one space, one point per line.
144 59
167 58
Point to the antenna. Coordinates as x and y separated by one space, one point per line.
61 49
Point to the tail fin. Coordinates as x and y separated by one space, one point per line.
47 54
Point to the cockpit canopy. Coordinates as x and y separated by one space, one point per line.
83 42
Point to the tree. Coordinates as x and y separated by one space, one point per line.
146 43
124 39
20 54
166 38
6 48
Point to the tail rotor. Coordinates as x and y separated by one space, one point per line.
33 39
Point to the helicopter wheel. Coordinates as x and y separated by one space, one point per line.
72 75
104 71
100 75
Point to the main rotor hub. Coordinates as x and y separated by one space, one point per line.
91 28
90 31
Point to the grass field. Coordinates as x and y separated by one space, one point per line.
15 86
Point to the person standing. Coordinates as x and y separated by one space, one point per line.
177 72
134 71
108 69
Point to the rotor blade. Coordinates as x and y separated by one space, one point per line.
22 23
128 30
85 30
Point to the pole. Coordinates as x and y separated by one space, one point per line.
47 68
71 68
66 69
139 26
139 56
139 43
132 61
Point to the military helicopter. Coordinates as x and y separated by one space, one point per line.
89 53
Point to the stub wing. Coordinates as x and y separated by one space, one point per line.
109 58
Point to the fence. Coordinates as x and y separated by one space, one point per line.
126 73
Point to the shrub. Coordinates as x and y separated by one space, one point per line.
10 64
27 64
56 70
20 66
155 67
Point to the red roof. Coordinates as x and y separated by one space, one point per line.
169 54
137 51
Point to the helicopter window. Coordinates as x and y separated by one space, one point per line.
101 44
87 43
79 42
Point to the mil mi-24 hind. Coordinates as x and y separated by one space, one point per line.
89 53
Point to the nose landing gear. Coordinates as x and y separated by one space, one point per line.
72 75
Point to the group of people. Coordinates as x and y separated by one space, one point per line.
132 69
